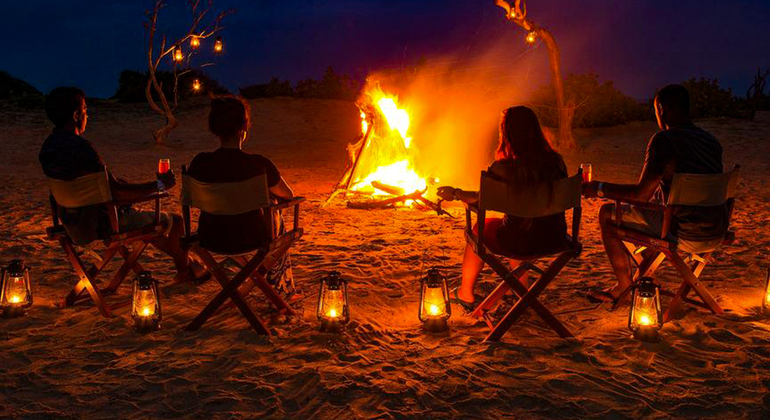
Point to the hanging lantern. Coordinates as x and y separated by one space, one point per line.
219 46
196 85
146 310
434 301
531 38
645 317
195 42
766 295
333 311
16 294
178 56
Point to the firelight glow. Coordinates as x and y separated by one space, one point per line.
332 313
531 38
645 320
15 299
433 310
398 119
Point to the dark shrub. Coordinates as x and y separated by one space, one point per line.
276 87
19 92
132 84
332 86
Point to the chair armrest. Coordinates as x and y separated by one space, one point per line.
151 197
641 204
286 204
666 210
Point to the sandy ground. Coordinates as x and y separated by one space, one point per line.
72 363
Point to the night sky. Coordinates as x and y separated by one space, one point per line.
639 44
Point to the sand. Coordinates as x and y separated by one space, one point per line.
72 363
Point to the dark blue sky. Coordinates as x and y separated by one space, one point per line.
639 44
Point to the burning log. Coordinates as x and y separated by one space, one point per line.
388 188
416 196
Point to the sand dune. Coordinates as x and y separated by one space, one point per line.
72 363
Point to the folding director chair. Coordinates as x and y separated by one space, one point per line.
231 199
495 195
648 251
94 189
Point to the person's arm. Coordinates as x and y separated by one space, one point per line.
123 190
659 161
452 194
282 190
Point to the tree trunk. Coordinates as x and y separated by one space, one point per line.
162 133
565 141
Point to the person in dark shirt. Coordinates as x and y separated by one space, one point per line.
524 159
680 147
65 155
229 120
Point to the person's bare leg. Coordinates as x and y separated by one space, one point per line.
170 245
616 251
472 266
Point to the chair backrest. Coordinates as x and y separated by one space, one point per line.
703 190
80 192
226 198
541 200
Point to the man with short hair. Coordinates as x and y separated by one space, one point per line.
65 155
680 147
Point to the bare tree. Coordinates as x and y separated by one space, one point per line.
518 15
174 49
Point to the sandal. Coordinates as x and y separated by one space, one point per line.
600 296
467 306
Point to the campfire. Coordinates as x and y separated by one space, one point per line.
382 171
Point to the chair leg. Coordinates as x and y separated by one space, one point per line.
259 280
230 290
491 300
129 263
645 269
86 281
690 282
529 298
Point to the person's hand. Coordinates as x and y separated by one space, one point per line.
447 193
168 179
590 189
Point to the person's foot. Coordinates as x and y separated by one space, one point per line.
456 298
607 295
195 272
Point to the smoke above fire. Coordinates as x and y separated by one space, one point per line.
454 108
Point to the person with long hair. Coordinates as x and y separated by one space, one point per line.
524 158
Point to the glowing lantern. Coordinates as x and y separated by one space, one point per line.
178 56
645 317
333 309
766 297
434 301
219 46
195 42
531 38
16 294
196 85
146 310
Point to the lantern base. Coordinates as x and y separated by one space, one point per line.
436 325
648 335
14 312
331 326
145 326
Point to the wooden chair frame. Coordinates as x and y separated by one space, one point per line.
129 244
527 297
252 271
662 247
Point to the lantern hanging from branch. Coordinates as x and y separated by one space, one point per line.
333 311
645 317
766 294
146 310
178 56
16 293
195 42
531 38
434 301
196 85
219 45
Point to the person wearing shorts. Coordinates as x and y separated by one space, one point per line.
65 155
680 147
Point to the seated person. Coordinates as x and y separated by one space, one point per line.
524 159
65 155
680 147
235 234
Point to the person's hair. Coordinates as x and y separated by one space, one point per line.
675 99
229 115
61 103
522 140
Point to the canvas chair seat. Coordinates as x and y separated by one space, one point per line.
89 190
232 199
686 190
539 201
